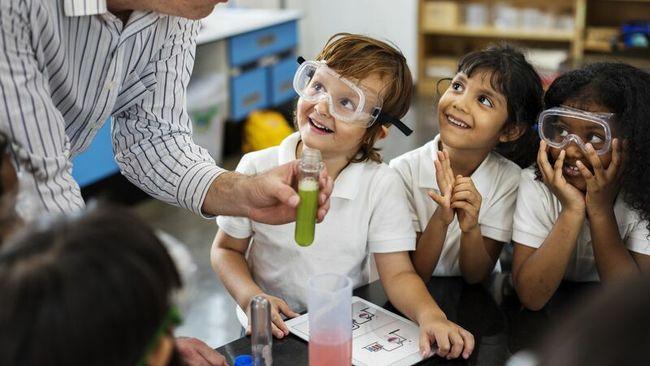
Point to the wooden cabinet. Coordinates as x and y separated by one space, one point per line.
449 29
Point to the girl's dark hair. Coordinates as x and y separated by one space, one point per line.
512 76
625 91
90 289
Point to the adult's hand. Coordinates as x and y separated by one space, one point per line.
196 353
269 197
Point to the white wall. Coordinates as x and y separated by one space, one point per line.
393 20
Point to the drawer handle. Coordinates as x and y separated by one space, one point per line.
251 99
266 40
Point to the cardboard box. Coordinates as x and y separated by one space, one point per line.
441 15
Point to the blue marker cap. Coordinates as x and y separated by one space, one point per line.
243 360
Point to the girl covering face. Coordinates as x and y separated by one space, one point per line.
582 212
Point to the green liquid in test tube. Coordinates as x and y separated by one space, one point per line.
310 167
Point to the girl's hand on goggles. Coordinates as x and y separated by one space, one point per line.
570 197
445 178
602 184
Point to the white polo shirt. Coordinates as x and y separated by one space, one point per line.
538 210
368 214
495 179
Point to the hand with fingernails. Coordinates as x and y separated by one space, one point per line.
602 184
458 195
571 198
450 340
278 307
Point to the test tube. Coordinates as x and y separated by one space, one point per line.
261 336
309 170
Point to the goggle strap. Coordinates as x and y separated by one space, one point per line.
300 60
386 118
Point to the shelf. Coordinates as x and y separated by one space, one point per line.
551 35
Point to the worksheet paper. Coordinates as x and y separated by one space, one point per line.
379 337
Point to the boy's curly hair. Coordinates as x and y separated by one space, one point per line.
357 56
515 78
625 91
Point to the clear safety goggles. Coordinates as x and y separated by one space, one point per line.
349 102
562 125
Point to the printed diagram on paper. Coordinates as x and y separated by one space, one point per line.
379 337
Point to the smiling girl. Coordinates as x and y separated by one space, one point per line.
462 186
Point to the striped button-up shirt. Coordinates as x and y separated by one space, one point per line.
67 66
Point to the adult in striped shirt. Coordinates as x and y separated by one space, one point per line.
68 65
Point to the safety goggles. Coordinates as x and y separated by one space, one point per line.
348 101
562 125
172 319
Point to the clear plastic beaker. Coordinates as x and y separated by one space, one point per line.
329 302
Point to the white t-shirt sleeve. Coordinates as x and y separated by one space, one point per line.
532 221
496 222
637 240
403 169
390 228
239 227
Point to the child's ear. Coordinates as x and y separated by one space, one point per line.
512 133
383 132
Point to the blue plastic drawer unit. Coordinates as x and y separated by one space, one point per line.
248 92
97 162
281 80
249 47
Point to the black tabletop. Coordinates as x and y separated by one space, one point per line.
491 312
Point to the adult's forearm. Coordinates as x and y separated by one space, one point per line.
227 195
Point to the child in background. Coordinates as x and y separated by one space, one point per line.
462 186
584 215
95 290
357 86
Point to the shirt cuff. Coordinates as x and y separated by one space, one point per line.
194 186
637 245
528 239
496 233
392 245
237 227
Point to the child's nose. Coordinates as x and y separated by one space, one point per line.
573 151
322 108
460 104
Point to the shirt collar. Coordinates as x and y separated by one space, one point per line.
480 177
347 183
77 8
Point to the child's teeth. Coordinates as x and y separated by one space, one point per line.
457 122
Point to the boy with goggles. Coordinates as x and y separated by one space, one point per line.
562 125
347 101
344 107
